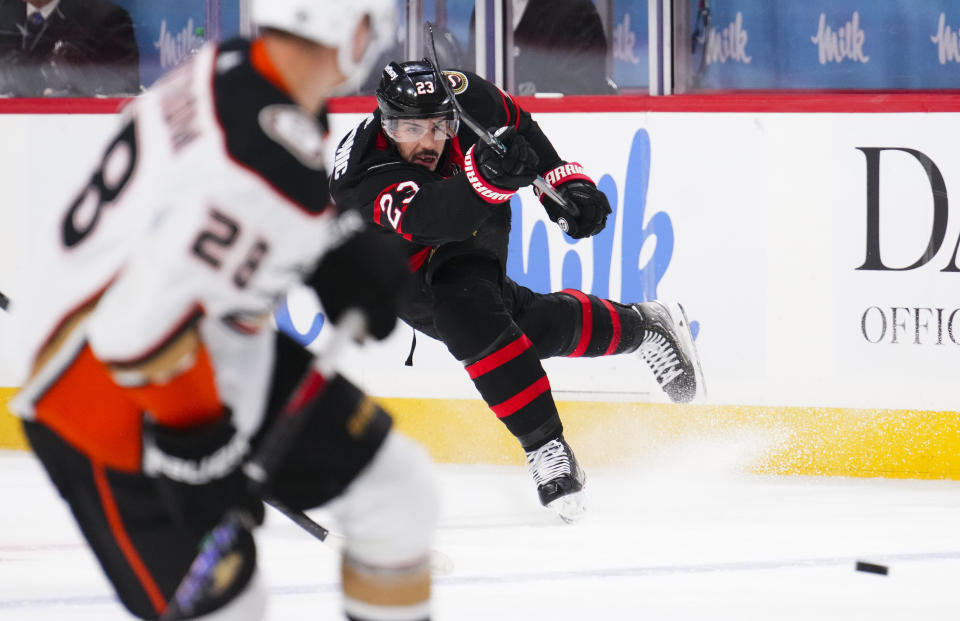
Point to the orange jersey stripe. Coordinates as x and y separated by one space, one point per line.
265 66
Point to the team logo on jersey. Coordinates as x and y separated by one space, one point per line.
228 60
297 132
458 81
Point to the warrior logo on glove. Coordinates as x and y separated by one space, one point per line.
572 182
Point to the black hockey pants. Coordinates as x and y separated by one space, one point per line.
145 551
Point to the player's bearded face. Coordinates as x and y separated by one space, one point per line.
422 141
426 153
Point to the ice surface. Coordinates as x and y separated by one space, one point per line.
672 537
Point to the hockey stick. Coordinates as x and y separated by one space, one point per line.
221 541
303 520
491 141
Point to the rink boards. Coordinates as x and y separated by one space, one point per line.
810 239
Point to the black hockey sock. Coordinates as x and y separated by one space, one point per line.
604 328
510 378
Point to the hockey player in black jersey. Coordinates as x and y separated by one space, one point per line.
414 171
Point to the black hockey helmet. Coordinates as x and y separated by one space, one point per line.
411 90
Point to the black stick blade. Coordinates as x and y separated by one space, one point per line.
871 568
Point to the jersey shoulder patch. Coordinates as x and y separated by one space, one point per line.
296 131
458 81
266 132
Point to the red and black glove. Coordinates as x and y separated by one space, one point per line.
591 206
497 177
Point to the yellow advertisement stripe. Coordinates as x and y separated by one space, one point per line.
779 440
787 440
11 436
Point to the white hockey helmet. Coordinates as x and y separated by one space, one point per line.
332 23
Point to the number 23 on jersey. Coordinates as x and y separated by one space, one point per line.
392 202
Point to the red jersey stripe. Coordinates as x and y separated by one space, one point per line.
416 261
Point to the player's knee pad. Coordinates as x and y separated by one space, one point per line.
248 605
389 514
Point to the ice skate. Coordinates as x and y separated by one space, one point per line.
668 349
559 478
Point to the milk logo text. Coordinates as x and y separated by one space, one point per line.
728 43
947 41
841 44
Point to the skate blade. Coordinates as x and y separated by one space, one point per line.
571 508
679 317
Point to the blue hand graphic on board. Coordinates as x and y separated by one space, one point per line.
640 281
646 249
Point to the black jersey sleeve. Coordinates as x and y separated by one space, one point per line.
419 205
493 108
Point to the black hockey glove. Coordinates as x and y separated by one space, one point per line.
514 169
198 472
368 272
581 192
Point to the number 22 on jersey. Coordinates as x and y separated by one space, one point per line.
216 239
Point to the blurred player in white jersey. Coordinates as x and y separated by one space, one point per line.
154 367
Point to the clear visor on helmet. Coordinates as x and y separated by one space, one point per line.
414 129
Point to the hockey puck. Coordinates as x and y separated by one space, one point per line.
871 568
